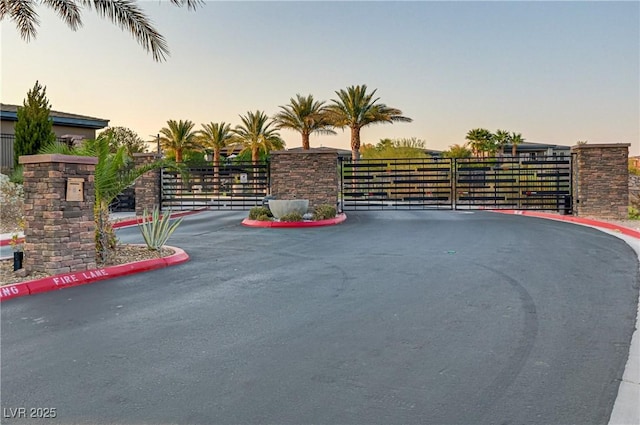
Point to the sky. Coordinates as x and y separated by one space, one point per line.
556 72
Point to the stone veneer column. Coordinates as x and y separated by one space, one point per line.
601 180
309 174
59 233
147 187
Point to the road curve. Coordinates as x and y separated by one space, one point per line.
392 317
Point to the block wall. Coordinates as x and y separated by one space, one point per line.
147 187
59 233
601 180
308 174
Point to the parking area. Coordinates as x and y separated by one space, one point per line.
450 317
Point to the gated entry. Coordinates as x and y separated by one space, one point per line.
416 183
238 185
542 183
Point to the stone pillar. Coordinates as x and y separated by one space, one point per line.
601 180
148 186
308 174
59 197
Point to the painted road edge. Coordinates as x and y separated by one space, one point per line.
578 220
626 409
340 218
123 223
84 277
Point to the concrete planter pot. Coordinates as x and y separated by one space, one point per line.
280 207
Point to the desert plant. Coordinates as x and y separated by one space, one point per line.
157 229
256 212
324 212
293 216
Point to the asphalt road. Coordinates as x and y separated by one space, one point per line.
413 317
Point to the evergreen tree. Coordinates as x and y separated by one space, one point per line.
34 128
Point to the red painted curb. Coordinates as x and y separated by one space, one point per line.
137 220
67 280
297 224
5 242
124 223
578 220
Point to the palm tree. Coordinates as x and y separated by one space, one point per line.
257 133
215 136
124 13
355 108
480 140
515 139
500 139
305 116
178 136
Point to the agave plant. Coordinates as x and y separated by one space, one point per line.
157 229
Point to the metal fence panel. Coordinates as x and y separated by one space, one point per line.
543 183
411 183
237 185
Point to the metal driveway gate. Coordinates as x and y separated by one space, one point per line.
237 185
415 183
540 183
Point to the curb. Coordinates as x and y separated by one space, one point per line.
138 220
123 223
68 280
578 220
340 218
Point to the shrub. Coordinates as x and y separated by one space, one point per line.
634 213
294 216
263 217
324 212
157 230
256 212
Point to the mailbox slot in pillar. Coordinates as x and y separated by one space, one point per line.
75 189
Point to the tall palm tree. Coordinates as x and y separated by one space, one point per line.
515 139
215 136
257 133
479 140
500 139
305 116
124 13
178 136
355 108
